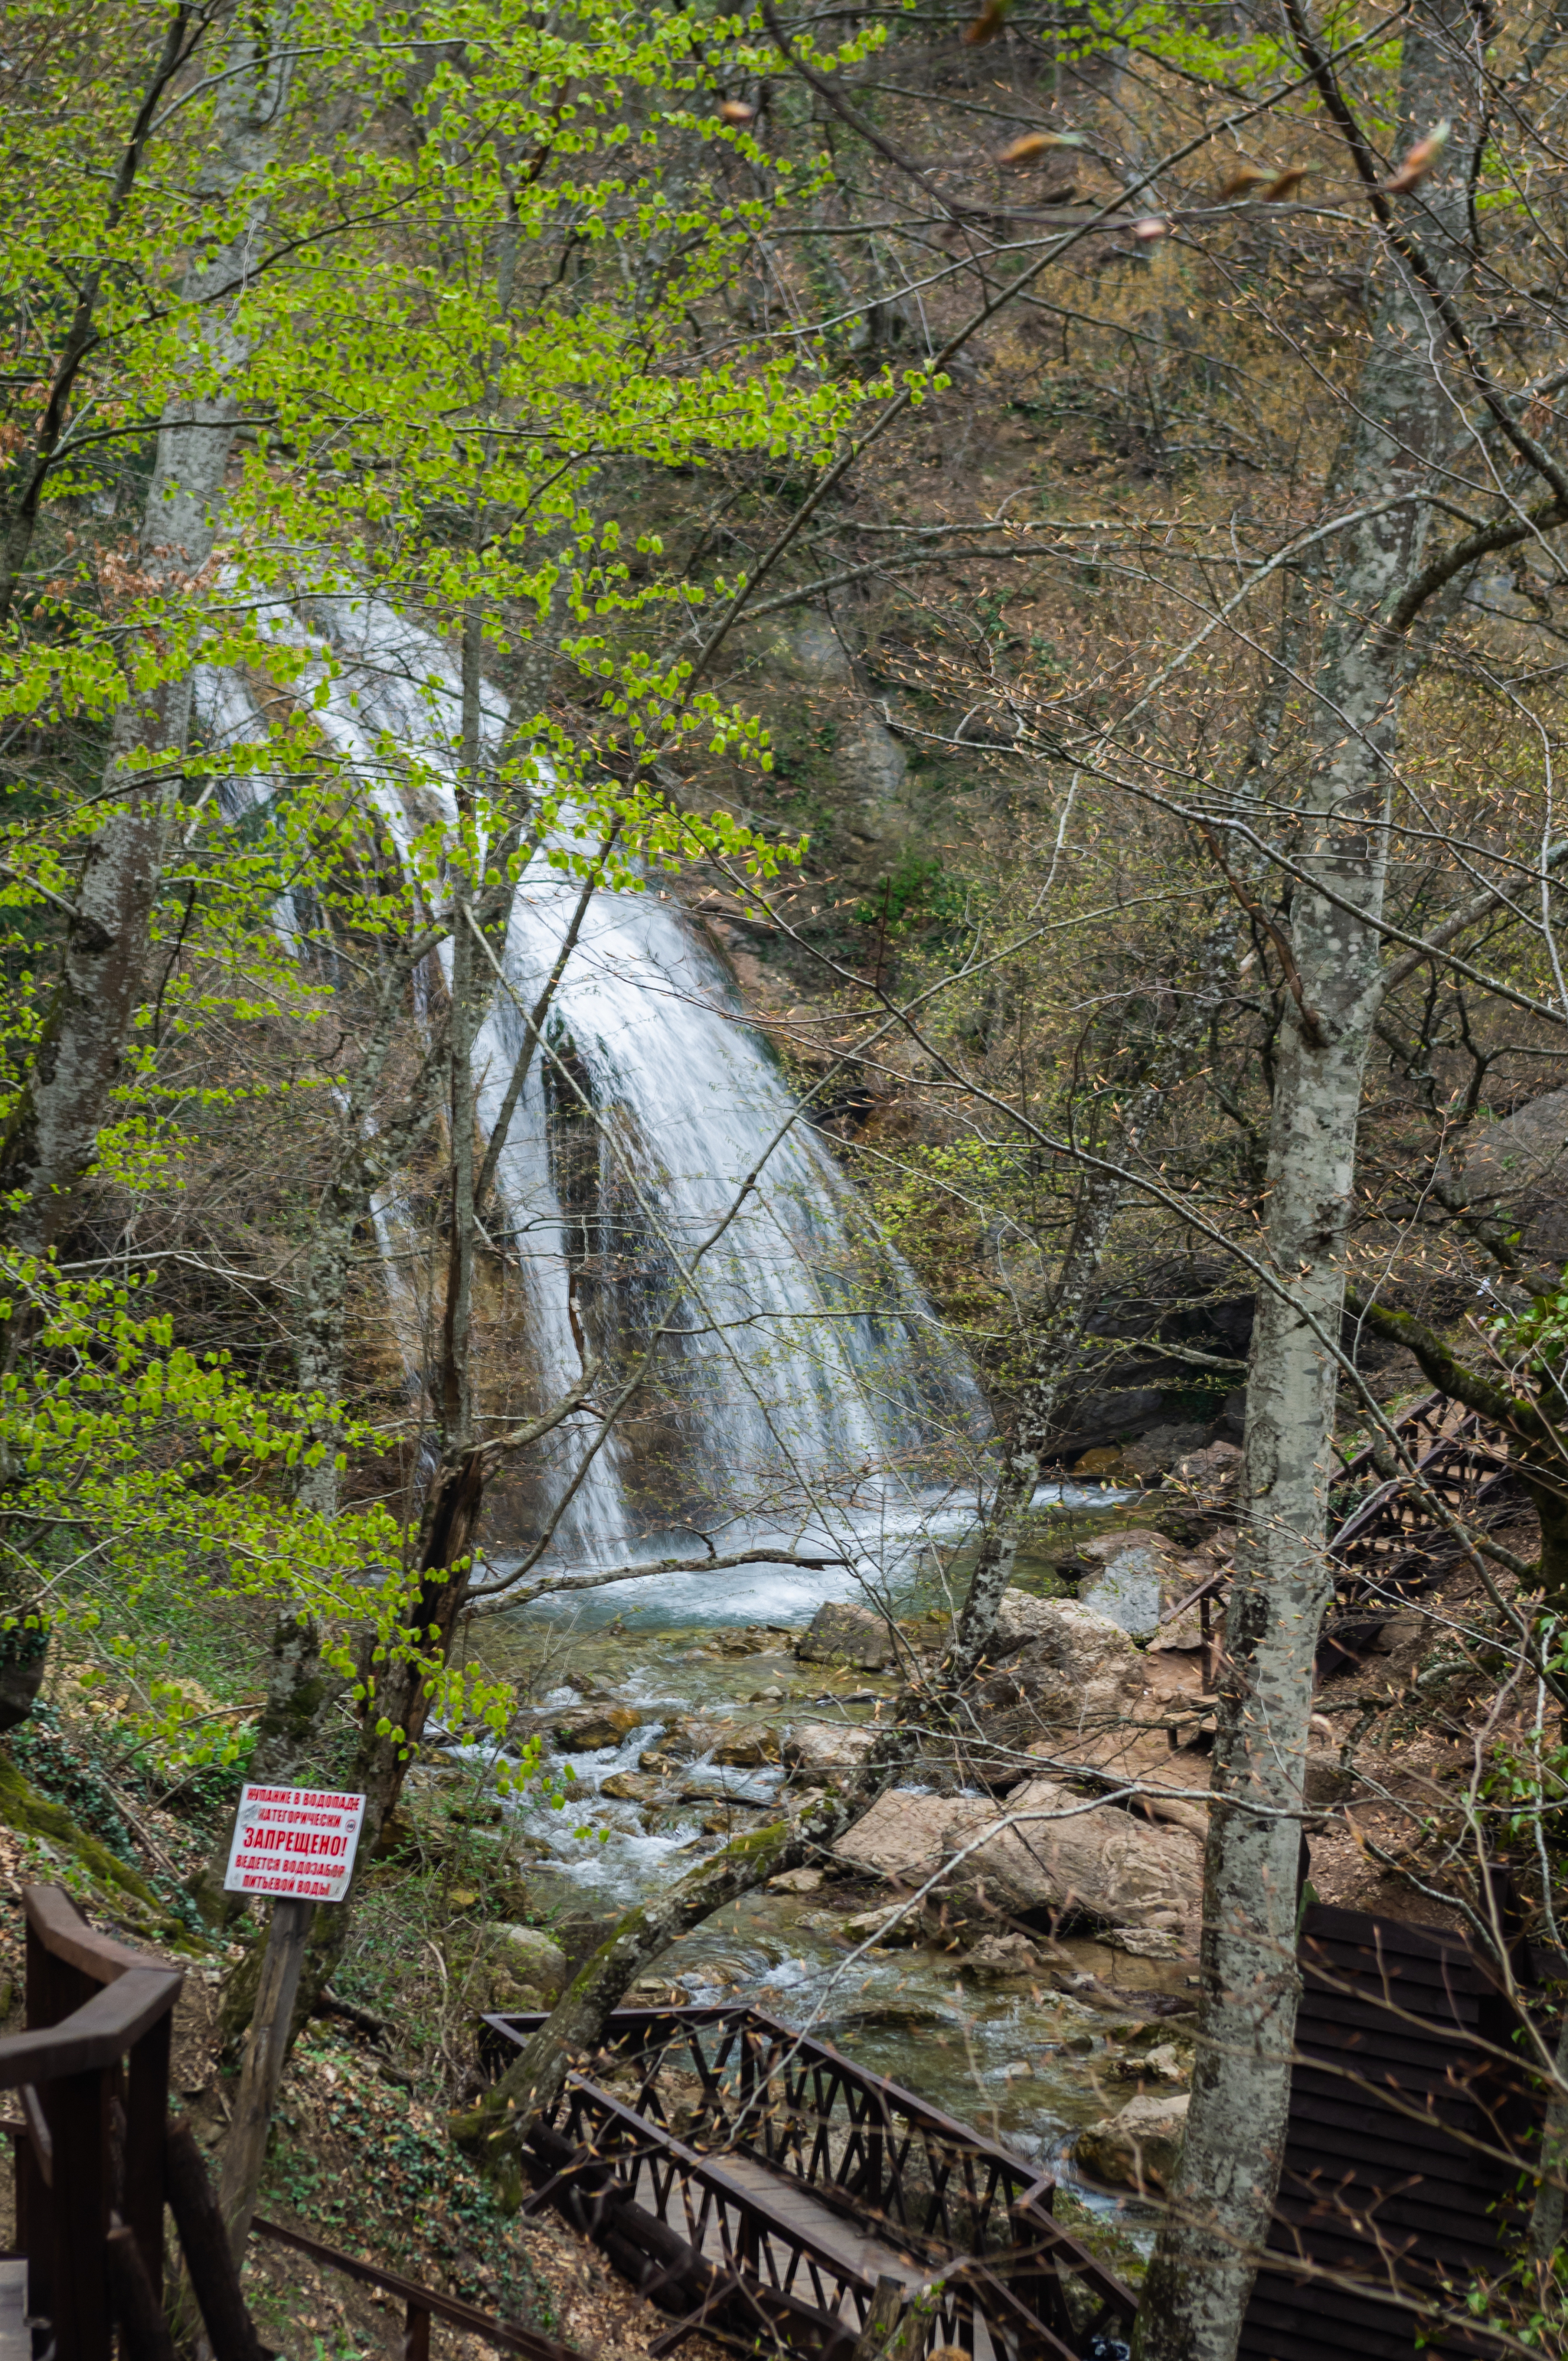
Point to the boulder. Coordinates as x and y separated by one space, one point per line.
1213 1473
1125 1587
1147 1942
1518 1170
679 1742
1003 1955
1083 1643
526 1968
1101 1865
796 1881
755 1639
1139 2148
828 1746
1158 1448
594 1728
1070 1667
748 1750
880 1926
1167 2061
841 1633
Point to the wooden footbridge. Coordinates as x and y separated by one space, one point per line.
1389 1545
769 2192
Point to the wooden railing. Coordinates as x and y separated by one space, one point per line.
1390 1546
420 2304
92 2076
98 2161
679 2203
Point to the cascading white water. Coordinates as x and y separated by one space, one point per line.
810 1380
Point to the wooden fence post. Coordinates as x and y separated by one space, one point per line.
77 2106
147 2128
261 2069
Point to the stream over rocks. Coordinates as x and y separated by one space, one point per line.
681 1719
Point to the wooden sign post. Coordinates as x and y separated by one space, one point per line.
298 1845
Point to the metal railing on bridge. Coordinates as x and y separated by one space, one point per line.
764 2188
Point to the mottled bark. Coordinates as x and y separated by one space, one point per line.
53 1133
300 1689
1196 2293
1544 2239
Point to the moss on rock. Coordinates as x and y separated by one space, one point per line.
32 1815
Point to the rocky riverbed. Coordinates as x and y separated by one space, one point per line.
1012 1934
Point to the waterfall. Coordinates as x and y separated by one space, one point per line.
810 1381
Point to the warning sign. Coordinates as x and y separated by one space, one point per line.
294 1842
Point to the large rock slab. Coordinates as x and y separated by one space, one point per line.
1139 2148
1101 1865
841 1633
823 1747
1126 1583
906 1836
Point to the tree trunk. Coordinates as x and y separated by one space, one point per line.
1544 2239
53 1132
1196 2293
261 2069
183 33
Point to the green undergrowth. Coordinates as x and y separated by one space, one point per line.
86 1864
362 2163
32 1814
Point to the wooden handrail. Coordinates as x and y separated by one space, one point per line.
66 1935
97 2159
96 2034
510 2335
92 2072
943 2198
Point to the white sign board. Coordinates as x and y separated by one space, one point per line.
296 1842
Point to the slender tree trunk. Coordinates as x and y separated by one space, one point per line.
261 2067
1544 2241
1196 2293
53 1133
